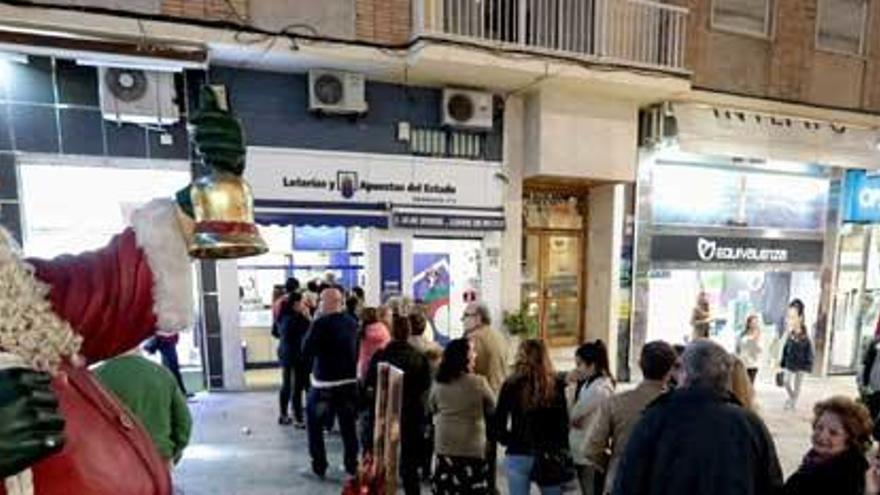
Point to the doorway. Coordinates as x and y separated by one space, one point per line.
553 283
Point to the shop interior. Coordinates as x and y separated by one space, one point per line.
733 296
446 273
305 252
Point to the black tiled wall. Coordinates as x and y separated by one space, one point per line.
52 106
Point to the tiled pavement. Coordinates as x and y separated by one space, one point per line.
238 448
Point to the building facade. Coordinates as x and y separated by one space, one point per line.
567 159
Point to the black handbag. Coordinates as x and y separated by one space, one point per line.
780 378
553 468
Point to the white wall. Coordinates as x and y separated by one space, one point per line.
580 135
230 328
516 118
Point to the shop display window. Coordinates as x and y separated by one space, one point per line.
444 272
737 198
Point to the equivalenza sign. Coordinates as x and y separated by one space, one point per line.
711 249
340 177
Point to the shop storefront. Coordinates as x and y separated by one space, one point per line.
750 239
857 292
424 228
746 208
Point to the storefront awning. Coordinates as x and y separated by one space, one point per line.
728 131
298 213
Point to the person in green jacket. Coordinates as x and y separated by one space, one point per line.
152 395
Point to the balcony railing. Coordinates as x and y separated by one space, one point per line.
638 33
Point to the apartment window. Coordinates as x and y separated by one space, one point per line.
841 26
743 16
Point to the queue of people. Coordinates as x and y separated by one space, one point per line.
690 426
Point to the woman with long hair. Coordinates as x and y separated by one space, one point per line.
741 385
593 383
290 328
532 422
460 401
749 348
797 353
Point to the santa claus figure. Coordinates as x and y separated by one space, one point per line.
60 431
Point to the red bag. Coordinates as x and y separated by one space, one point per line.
107 452
368 481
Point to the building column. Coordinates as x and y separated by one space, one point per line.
510 249
604 244
828 275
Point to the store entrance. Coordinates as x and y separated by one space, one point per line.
857 300
552 283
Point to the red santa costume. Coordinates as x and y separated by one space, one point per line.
102 303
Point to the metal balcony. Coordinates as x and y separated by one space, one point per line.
634 33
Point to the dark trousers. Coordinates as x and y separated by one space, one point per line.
342 401
492 464
296 377
752 372
412 440
168 351
873 403
491 455
428 449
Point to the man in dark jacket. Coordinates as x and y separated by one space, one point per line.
698 440
331 347
416 382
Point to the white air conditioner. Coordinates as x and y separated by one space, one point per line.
333 91
467 108
138 96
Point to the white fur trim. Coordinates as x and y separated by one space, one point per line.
158 234
20 484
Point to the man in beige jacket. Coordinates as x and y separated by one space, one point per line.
491 362
617 416
489 344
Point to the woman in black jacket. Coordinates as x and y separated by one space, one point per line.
290 328
797 354
531 420
836 462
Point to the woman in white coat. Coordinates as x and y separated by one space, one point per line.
592 384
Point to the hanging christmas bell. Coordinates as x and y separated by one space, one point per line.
223 207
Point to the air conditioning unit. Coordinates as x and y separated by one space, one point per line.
334 91
467 108
138 96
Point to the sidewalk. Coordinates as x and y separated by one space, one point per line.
237 447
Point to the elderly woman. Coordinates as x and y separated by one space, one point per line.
836 462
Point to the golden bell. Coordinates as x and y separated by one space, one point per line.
223 206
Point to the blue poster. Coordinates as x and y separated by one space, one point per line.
431 280
391 271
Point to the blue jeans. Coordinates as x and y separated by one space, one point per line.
343 402
519 476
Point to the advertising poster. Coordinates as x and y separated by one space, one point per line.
431 282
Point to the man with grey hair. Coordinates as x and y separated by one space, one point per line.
699 439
